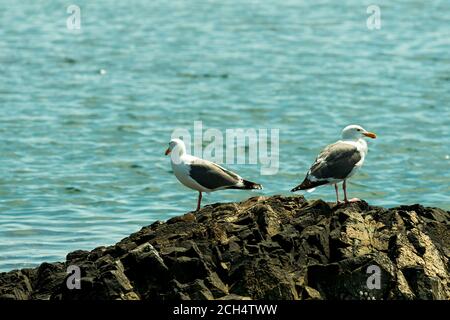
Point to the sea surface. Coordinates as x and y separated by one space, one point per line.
86 114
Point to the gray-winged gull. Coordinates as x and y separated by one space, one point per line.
203 175
338 161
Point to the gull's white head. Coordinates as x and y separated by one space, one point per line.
355 132
177 145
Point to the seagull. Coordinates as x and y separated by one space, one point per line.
203 175
338 162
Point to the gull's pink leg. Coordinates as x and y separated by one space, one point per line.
199 200
337 193
344 186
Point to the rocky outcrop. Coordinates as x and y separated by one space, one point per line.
263 248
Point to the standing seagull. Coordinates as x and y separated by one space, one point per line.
203 175
339 161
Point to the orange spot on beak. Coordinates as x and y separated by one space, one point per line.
370 135
167 151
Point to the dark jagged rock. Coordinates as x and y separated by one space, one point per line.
263 248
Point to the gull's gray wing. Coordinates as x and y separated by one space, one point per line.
336 161
211 175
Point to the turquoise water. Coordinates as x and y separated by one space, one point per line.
81 149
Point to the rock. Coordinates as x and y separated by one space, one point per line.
309 293
48 278
262 248
16 285
344 280
262 278
234 297
196 290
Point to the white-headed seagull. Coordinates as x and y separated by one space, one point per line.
339 161
203 175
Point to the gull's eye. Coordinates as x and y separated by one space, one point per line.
358 129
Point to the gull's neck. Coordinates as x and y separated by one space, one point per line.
360 143
179 153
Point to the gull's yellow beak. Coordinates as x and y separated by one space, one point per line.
167 151
370 135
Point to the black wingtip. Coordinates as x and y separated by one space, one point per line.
258 187
252 185
307 184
